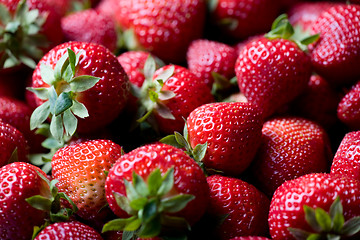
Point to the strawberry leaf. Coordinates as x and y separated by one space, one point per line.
56 127
138 204
333 237
130 41
310 217
310 39
171 140
199 152
154 182
165 75
131 192
27 61
70 122
60 67
79 109
128 235
72 60
63 103
176 203
83 83
351 226
149 67
39 115
164 111
39 202
4 14
133 225
123 202
166 95
167 182
139 185
180 139
117 224
149 212
323 219
299 234
41 93
150 229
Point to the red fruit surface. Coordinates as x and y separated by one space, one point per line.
290 147
347 157
108 97
19 181
68 230
271 73
247 207
188 177
166 28
232 132
80 169
313 190
348 110
336 55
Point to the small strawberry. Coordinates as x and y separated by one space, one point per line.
348 110
290 147
68 230
299 208
19 181
244 208
347 157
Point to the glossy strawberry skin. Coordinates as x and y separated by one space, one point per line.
166 28
290 147
80 169
19 181
348 110
189 178
247 207
347 157
271 73
314 190
107 98
336 55
232 132
68 230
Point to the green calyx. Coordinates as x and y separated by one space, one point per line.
281 28
327 225
150 205
61 104
20 41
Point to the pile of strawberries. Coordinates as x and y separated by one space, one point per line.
179 119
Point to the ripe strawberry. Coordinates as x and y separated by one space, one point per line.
336 55
232 132
243 18
61 76
166 28
240 45
135 182
347 157
19 181
243 207
80 169
90 26
68 230
348 110
290 147
287 209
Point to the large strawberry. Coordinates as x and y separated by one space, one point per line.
160 187
290 147
243 208
19 181
232 132
299 208
166 28
336 54
348 110
82 79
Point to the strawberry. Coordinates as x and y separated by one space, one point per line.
250 238
336 55
61 76
68 230
19 181
243 207
135 185
90 26
243 18
347 157
86 163
232 132
272 71
31 27
348 109
240 45
290 147
166 28
299 207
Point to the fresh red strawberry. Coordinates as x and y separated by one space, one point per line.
287 209
336 55
86 80
90 26
250 238
240 45
80 169
166 28
348 110
244 18
68 230
25 40
232 132
290 147
19 181
211 61
243 207
272 71
158 177
347 158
